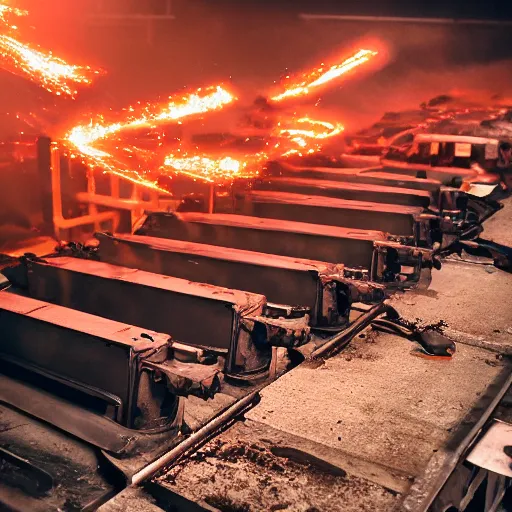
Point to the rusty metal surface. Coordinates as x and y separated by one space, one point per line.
394 219
444 175
346 190
96 354
214 251
282 280
370 175
75 467
351 247
187 311
197 314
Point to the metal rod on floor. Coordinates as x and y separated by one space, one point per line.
342 339
194 439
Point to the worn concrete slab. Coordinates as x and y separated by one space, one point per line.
198 411
379 402
499 227
247 469
470 298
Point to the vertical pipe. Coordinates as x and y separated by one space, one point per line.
114 186
91 189
44 171
56 189
211 198
154 199
136 213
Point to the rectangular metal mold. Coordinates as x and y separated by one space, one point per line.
193 313
86 352
344 190
352 247
283 280
371 176
389 218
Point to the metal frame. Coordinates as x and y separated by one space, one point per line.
135 204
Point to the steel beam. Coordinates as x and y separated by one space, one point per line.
320 287
389 218
371 176
227 324
342 190
352 247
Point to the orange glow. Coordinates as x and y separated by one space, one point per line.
103 143
322 75
89 140
95 158
214 170
199 102
303 136
39 66
306 135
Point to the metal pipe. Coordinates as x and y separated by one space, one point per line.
88 219
211 198
342 339
59 222
91 189
195 439
114 186
114 202
397 19
56 185
44 166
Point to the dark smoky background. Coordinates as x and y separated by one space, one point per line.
250 45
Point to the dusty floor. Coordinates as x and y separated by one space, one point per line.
499 227
352 433
377 412
239 471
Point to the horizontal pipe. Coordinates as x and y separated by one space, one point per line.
62 223
125 204
196 438
340 340
131 17
400 19
113 202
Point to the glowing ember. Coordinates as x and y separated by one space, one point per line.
304 139
199 102
215 170
6 12
41 67
86 138
102 143
322 75
310 129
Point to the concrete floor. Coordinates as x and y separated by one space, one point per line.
353 432
377 411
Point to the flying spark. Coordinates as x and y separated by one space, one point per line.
39 66
84 140
305 136
322 76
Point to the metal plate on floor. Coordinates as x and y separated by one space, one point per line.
488 452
